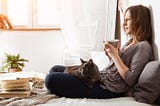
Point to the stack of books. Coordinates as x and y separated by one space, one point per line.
15 88
5 22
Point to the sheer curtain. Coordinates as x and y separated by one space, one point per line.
84 26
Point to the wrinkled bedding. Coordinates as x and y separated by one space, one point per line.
123 101
43 98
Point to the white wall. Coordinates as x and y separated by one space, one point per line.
155 8
42 48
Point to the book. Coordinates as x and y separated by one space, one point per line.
15 88
5 22
10 94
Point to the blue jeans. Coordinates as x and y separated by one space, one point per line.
66 85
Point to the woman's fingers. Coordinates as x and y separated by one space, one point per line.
118 46
111 50
106 52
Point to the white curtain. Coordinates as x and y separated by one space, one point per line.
80 22
84 24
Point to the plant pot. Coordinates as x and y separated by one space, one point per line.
12 70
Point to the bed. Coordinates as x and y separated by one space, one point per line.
44 98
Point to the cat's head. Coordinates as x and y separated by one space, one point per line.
88 67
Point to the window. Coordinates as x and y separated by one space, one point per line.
32 14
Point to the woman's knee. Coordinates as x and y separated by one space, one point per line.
49 81
57 68
53 80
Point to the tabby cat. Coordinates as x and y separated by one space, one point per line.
88 72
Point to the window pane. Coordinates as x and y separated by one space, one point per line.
48 12
18 11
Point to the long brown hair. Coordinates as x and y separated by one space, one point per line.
141 22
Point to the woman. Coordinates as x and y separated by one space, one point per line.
124 69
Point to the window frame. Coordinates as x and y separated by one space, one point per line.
32 18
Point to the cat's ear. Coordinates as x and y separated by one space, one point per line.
90 61
82 61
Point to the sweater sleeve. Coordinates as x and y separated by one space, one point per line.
141 56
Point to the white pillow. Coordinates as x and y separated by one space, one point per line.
99 58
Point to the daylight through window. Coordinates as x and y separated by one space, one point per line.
31 14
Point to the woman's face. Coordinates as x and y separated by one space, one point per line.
127 23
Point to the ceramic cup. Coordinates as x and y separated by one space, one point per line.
114 42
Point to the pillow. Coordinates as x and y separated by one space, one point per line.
158 101
148 88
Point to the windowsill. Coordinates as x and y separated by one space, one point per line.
36 29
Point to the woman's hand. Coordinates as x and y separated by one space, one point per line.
107 54
111 51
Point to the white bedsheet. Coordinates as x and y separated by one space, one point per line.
123 101
22 74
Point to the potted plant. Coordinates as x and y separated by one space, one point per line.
13 63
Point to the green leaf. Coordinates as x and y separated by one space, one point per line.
13 61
